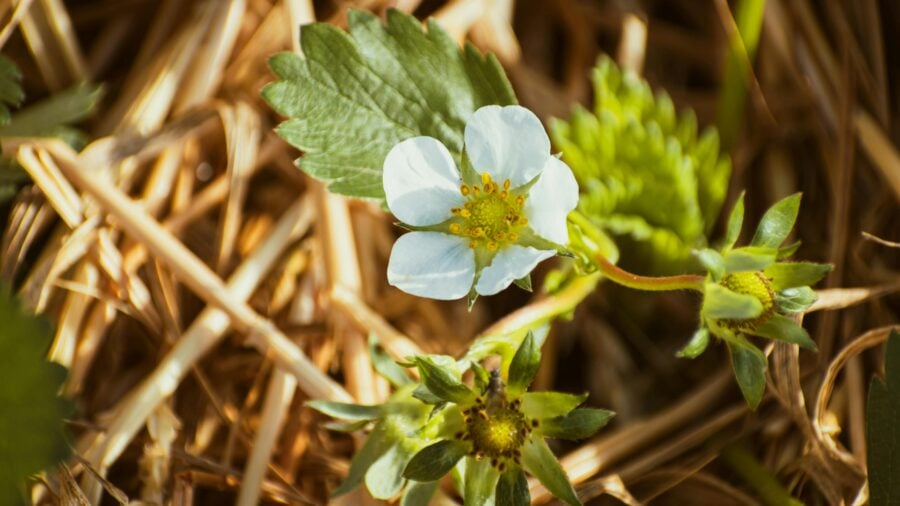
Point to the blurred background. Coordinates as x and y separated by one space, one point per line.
804 96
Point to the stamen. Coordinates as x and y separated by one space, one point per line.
520 200
506 184
455 210
464 189
513 237
485 178
455 228
476 190
465 213
504 194
492 246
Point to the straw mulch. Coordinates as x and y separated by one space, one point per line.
203 288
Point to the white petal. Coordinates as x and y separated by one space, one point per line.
510 264
433 265
550 200
507 142
421 182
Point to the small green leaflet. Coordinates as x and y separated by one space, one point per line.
351 97
882 436
32 417
11 93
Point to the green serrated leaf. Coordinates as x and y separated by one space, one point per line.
352 97
524 365
345 410
697 345
442 383
434 461
542 405
49 117
795 300
538 460
578 424
386 366
735 223
749 365
882 436
777 222
720 303
792 274
785 329
32 417
749 258
512 489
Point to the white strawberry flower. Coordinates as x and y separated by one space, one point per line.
477 231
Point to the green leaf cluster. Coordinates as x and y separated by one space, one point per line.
50 117
749 292
32 436
646 176
351 97
882 436
486 433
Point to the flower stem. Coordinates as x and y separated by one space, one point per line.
621 276
542 311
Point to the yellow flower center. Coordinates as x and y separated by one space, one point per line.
492 216
496 427
755 284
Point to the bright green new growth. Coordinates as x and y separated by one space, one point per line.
645 175
32 416
351 98
748 292
488 434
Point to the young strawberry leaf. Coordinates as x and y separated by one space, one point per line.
749 369
32 431
524 365
352 97
777 222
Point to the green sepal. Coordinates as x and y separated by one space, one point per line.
792 274
346 410
542 405
347 426
434 461
749 258
481 376
384 479
777 222
441 383
422 393
524 365
512 489
735 223
697 345
386 366
795 300
720 303
524 283
789 250
782 328
712 261
375 446
578 424
538 460
418 494
749 365
480 483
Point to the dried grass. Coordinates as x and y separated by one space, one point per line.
202 287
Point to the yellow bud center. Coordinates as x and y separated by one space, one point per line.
755 284
492 216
